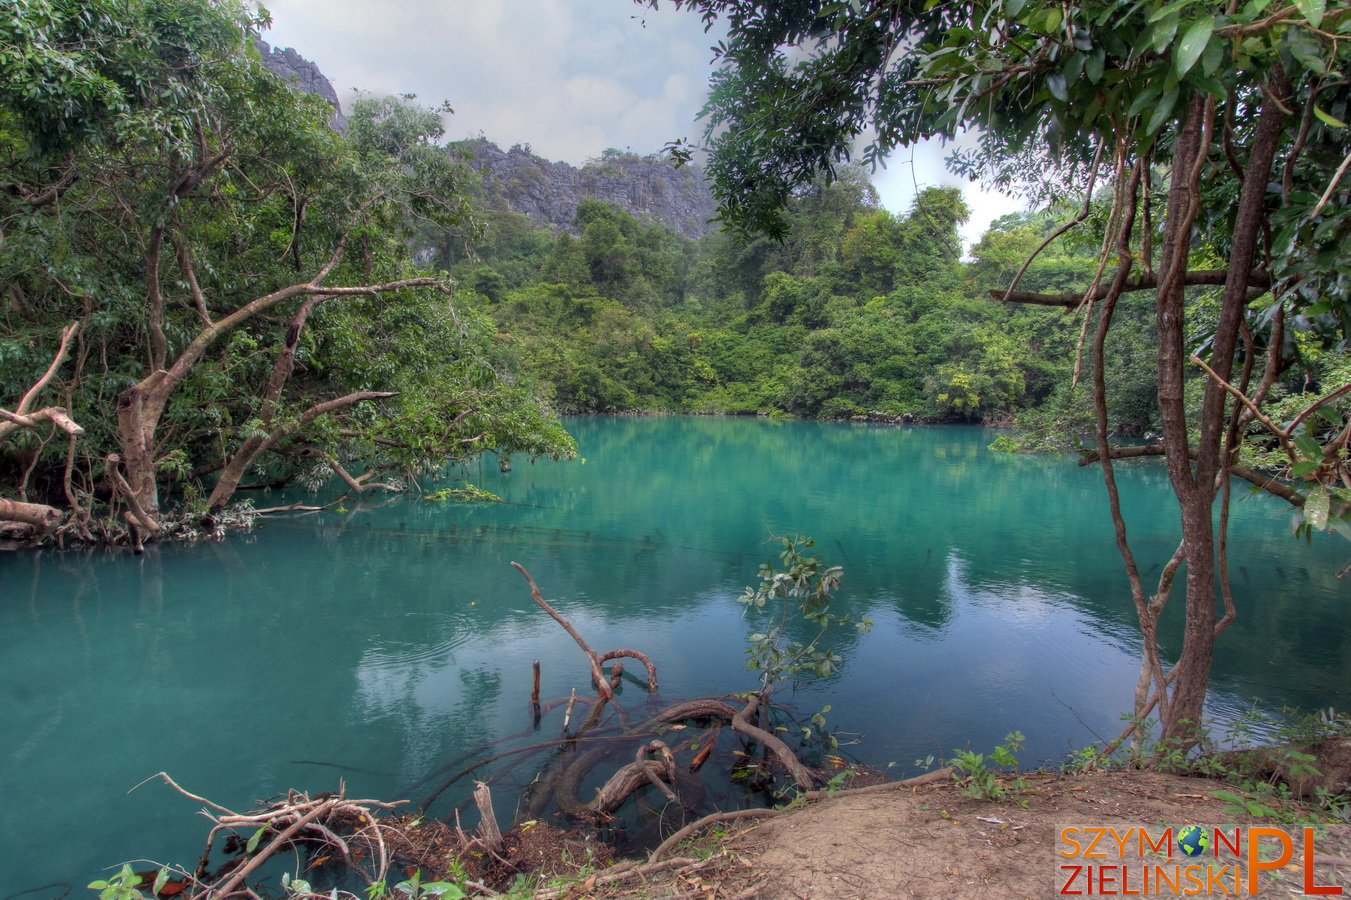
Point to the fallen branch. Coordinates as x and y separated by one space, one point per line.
633 776
629 871
298 507
634 654
39 515
712 819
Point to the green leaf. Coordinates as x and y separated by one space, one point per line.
1055 83
1327 117
1162 34
1193 44
252 845
1162 111
160 880
1312 10
1308 447
1329 415
1316 508
1304 468
1167 10
1213 57
1093 68
1013 7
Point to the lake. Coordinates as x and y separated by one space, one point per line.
378 640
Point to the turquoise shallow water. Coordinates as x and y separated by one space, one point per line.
378 643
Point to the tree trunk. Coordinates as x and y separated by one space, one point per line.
140 406
138 413
1181 716
40 515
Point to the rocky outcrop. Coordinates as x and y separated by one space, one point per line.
548 192
305 75
646 186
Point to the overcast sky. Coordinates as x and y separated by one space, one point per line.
568 77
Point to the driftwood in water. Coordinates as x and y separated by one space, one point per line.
741 723
633 654
605 686
640 772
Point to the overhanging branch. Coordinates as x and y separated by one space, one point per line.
1267 483
1072 299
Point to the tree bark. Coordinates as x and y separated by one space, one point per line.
1180 715
1196 490
40 515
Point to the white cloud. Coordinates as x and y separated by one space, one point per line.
911 169
569 77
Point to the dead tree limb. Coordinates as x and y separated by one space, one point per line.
741 723
602 684
640 772
39 515
634 654
713 818
488 831
24 416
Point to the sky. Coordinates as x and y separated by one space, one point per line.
570 78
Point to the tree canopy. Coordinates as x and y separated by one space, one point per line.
1218 132
227 279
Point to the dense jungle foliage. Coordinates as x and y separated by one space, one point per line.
858 310
202 284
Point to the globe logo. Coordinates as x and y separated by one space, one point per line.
1193 840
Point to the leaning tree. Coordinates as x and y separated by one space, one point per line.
1217 133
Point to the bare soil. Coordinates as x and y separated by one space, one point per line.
931 841
919 839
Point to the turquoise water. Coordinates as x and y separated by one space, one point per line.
376 644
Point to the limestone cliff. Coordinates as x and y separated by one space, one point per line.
305 75
646 186
548 192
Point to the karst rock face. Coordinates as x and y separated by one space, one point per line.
305 75
646 186
516 179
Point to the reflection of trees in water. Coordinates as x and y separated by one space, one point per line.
424 696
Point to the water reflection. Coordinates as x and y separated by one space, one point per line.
380 643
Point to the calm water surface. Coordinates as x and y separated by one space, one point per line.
378 643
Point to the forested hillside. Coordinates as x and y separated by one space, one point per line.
858 311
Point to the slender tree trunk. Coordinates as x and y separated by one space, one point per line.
1181 713
1196 489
